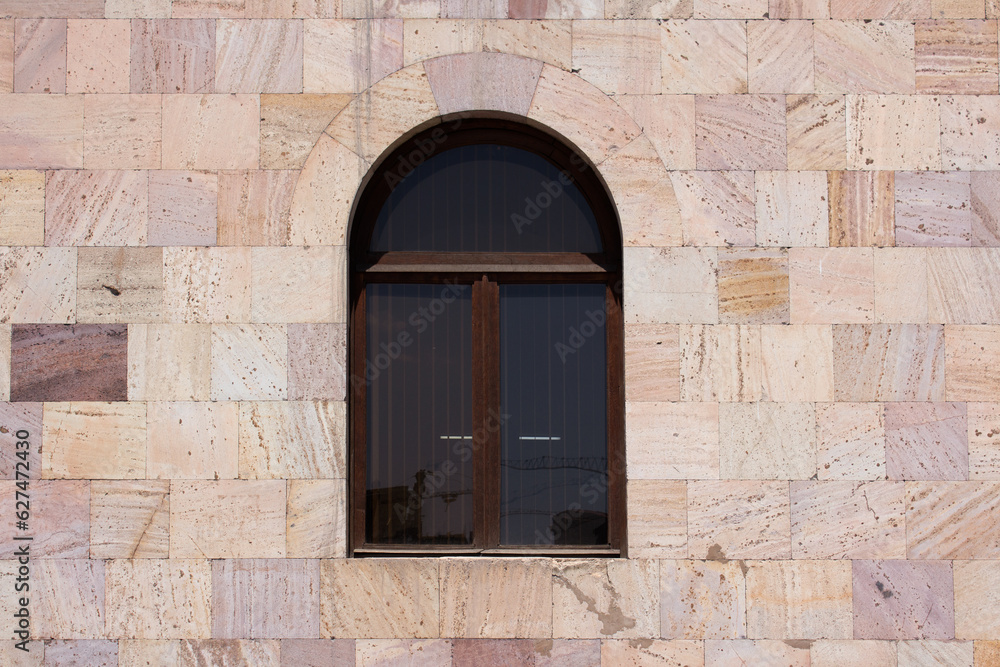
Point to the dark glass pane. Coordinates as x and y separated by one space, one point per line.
418 373
486 198
553 391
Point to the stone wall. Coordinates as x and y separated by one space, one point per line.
808 192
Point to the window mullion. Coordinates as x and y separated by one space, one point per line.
486 411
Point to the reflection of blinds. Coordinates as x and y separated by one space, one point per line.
598 464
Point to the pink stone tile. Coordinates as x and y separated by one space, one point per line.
720 363
956 57
702 599
258 56
122 131
483 81
555 9
249 362
270 598
391 9
936 652
977 605
703 57
403 652
475 9
254 207
850 441
816 131
206 284
75 9
129 518
81 653
97 56
985 187
668 122
618 56
96 208
733 520
651 652
214 426
81 362
861 208
68 599
317 652
897 599
970 132
205 9
962 282
848 520
652 362
16 417
344 56
864 57
38 284
6 55
480 652
854 652
41 132
792 208
657 526
558 652
740 132
933 209
880 9
317 362
888 362
899 132
648 9
831 285
173 56
60 522
940 517
984 441
780 56
767 440
263 652
927 441
901 285
182 208
717 207
211 131
970 372
763 652
40 55
799 9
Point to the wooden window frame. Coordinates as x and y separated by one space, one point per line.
485 272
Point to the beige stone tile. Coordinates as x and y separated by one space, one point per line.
103 208
607 599
122 131
702 599
316 521
227 519
41 132
471 81
22 208
495 598
344 56
283 9
38 285
255 207
893 132
119 285
958 9
809 599
735 653
933 209
970 132
850 441
984 441
361 597
889 362
290 126
657 518
716 207
740 132
169 56
668 122
977 603
208 8
97 56
159 599
753 286
131 9
728 520
730 9
985 187
901 285
651 652
404 652
317 362
480 9
273 597
298 284
94 441
940 517
767 440
962 284
186 440
40 55
861 208
652 362
430 38
87 651
860 652
671 285
129 519
6 55
935 652
206 284
618 56
293 440
136 653
60 530
400 9
249 362
956 57
792 208
816 131
183 208
880 9
169 362
211 131
970 374
720 363
703 57
848 520
797 362
648 9
780 56
69 598
864 57
831 285
258 56
647 205
324 194
556 9
549 41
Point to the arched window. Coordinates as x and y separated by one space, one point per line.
486 348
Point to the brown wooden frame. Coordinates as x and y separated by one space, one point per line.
485 272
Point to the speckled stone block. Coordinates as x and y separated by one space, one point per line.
816 131
703 57
293 440
80 652
657 523
864 57
122 131
893 132
254 207
128 9
60 523
227 519
343 56
672 440
40 55
6 55
808 599
767 440
940 516
554 9
933 209
22 208
317 652
728 520
652 362
15 417
723 9
896 599
298 284
97 56
211 131
316 521
702 599
129 519
716 207
169 362
985 192
927 441
850 441
404 652
38 285
618 56
258 56
970 376
861 208
984 441
735 653
901 285
496 598
860 652
249 362
208 8
265 598
172 56
68 600
41 131
159 599
977 602
889 362
94 441
970 132
961 284
206 284
192 440
797 362
119 285
833 520
548 41
182 208
317 362
324 194
102 208
720 363
791 208
626 652
780 56
52 362
935 652
668 122
956 57
831 285
987 653
605 599
290 126
671 285
740 132
650 217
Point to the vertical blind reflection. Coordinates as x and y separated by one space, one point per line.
418 371
553 396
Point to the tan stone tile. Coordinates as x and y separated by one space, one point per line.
848 520
122 131
299 284
41 132
809 599
22 208
647 206
831 285
169 362
273 597
740 132
361 597
984 441
728 520
293 440
864 57
618 56
648 9
317 362
258 56
901 285
956 57
889 362
791 208
970 374
860 652
170 56
716 207
963 282
206 284
977 603
292 9
183 208
431 37
249 362
652 362
94 441
935 652
211 131
97 56
927 441
69 598
227 519
657 518
142 9
208 8
103 208
40 55
753 286
159 599
192 440
767 440
556 9
340 59
880 9
392 652
671 285
129 519
703 57
119 285
6 55
651 652
958 9
290 125
60 524
985 187
970 132
472 81
584 593
893 132
987 653
495 598
324 195
850 441
730 9
780 56
797 362
549 41
38 285
672 440
933 209
940 517
668 122
816 131
316 521
735 653
720 363
702 599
